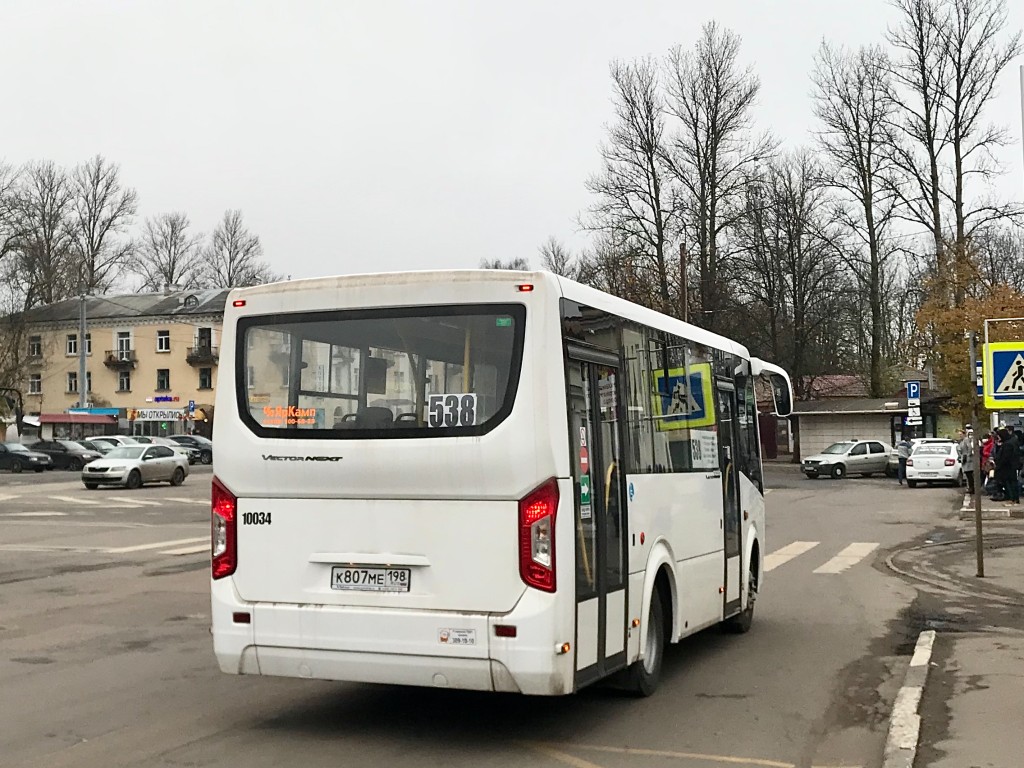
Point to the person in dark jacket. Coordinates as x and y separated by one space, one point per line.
1007 456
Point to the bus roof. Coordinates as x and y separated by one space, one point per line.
562 285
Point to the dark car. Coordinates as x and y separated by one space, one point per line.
67 454
16 457
197 441
96 445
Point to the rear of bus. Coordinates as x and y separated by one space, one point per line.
386 505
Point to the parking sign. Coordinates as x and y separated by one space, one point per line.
913 390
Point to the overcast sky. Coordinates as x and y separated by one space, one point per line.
379 135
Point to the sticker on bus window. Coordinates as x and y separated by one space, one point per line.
279 416
451 410
503 322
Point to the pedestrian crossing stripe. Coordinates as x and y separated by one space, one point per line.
846 559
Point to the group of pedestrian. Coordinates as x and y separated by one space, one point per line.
1002 459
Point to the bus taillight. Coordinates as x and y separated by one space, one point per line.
224 548
537 536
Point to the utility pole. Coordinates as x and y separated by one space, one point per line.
1021 112
682 276
979 482
83 389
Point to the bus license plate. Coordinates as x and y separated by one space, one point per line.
370 579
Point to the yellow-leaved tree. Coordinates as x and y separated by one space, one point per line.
942 330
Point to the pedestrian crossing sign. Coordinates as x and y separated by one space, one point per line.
1004 375
683 397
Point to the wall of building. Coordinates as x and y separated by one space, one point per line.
819 432
54 363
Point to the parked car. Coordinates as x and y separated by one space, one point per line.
96 445
192 454
934 462
849 457
16 457
197 441
134 465
115 440
66 454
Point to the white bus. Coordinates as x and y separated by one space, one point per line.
478 479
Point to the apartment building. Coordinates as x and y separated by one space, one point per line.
148 357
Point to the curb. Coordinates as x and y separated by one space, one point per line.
905 723
990 513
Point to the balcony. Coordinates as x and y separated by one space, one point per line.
34 360
119 359
204 354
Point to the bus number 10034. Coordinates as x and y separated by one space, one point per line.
255 518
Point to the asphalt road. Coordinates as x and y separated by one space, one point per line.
106 658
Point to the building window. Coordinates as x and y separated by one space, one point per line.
163 341
35 346
88 343
72 382
71 348
124 381
206 378
35 384
88 381
163 379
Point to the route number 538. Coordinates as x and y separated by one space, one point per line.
451 410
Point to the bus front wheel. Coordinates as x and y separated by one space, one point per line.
645 673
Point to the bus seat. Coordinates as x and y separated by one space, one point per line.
374 417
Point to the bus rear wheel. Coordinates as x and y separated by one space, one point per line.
645 673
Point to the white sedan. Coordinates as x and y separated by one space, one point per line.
133 465
934 463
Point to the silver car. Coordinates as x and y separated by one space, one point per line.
849 457
133 465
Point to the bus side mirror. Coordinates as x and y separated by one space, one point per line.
780 394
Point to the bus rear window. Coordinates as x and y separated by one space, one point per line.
403 372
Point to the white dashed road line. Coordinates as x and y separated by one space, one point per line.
137 502
182 500
73 500
157 545
787 553
850 556
188 550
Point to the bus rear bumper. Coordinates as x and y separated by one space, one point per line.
396 647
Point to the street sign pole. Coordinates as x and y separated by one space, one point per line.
979 482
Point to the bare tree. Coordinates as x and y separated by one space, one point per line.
168 254
713 151
9 219
102 210
794 283
635 212
999 253
920 74
852 102
973 44
234 256
518 263
43 243
556 258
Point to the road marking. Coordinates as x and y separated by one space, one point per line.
34 514
40 548
157 545
139 502
555 751
181 500
73 500
8 496
188 550
850 556
787 553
